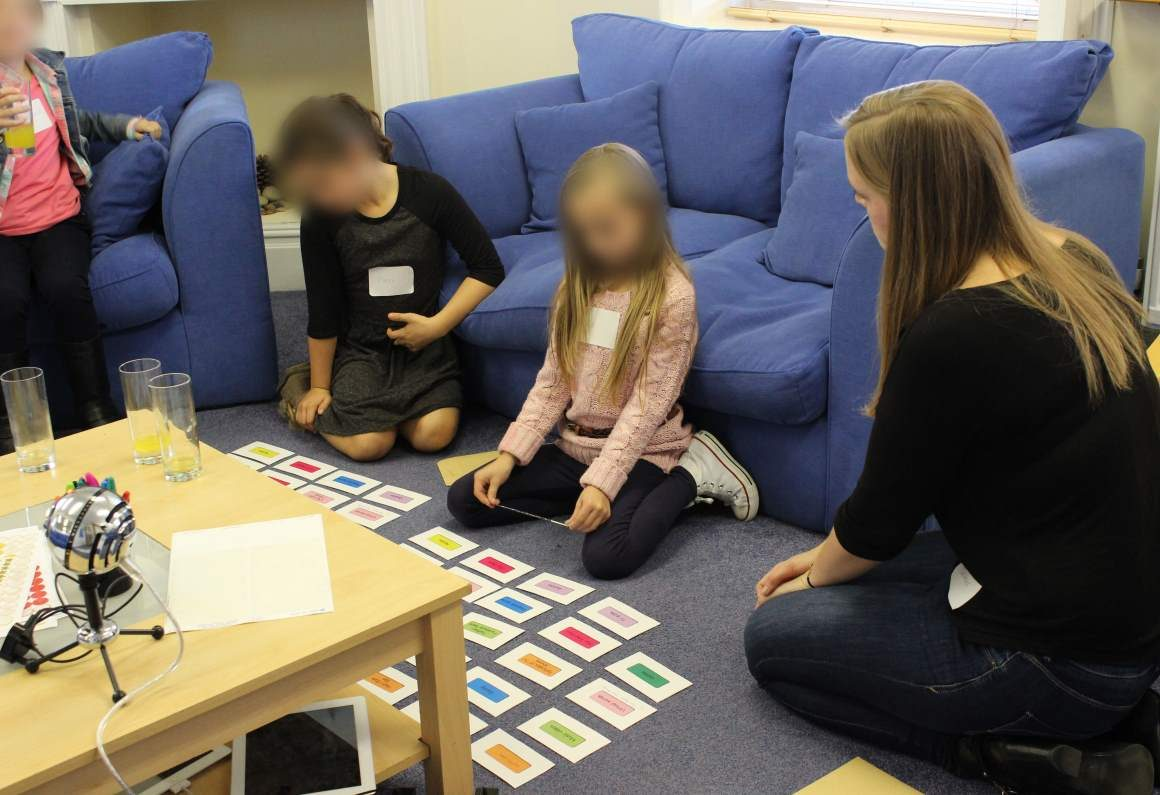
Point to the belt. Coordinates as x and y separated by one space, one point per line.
590 433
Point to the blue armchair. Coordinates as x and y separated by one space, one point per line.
191 287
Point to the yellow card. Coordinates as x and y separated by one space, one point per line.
859 776
1154 356
452 469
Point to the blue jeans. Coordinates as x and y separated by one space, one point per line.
880 659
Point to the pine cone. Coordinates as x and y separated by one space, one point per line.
265 169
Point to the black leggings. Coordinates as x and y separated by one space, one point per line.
643 512
53 265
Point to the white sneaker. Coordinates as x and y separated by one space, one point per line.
719 476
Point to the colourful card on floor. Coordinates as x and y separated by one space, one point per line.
263 452
513 605
557 731
423 555
557 589
509 758
585 641
480 586
615 615
304 467
289 481
443 542
324 497
493 695
612 705
348 481
369 516
491 633
397 498
475 723
858 776
452 469
391 685
540 665
496 565
247 462
648 676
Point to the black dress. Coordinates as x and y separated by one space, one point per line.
359 269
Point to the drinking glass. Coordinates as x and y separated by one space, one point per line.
21 140
27 402
172 395
135 377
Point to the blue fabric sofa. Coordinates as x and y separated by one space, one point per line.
190 287
784 364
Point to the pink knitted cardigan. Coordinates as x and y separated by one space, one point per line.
646 420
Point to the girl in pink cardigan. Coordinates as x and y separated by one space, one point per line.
623 333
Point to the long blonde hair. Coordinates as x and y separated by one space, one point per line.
570 308
939 156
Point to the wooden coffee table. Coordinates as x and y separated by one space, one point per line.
388 605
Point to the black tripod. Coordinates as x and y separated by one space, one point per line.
96 634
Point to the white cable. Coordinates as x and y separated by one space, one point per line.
136 574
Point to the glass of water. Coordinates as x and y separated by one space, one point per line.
172 399
135 377
27 402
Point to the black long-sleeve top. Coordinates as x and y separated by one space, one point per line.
1050 502
339 253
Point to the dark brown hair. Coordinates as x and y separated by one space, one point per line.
322 129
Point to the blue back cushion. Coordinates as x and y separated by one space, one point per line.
552 138
1037 89
165 70
126 186
818 217
722 103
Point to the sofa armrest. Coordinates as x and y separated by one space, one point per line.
213 228
470 139
1090 181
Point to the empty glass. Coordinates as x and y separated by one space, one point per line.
135 377
172 398
27 402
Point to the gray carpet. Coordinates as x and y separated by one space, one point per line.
723 735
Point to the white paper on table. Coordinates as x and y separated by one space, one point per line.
18 556
262 571
42 592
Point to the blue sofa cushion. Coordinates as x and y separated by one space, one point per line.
126 186
514 317
133 282
722 103
764 347
552 138
165 70
818 217
1037 89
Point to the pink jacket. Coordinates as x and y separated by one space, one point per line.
645 420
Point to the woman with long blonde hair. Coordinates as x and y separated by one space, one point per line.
622 335
1015 406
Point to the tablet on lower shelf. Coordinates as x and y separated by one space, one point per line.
322 749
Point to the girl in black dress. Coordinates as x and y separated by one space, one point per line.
373 235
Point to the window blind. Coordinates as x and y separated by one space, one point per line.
1022 14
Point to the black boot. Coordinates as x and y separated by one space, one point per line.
85 363
8 361
1142 726
1033 766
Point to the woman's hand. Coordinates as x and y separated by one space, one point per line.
313 403
592 510
14 108
786 577
489 478
418 331
139 128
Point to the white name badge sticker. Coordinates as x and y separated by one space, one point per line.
603 324
41 120
963 587
397 280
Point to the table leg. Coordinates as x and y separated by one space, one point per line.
443 702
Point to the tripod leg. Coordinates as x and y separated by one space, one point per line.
156 632
32 666
118 693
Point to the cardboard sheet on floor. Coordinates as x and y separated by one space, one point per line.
452 469
859 776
